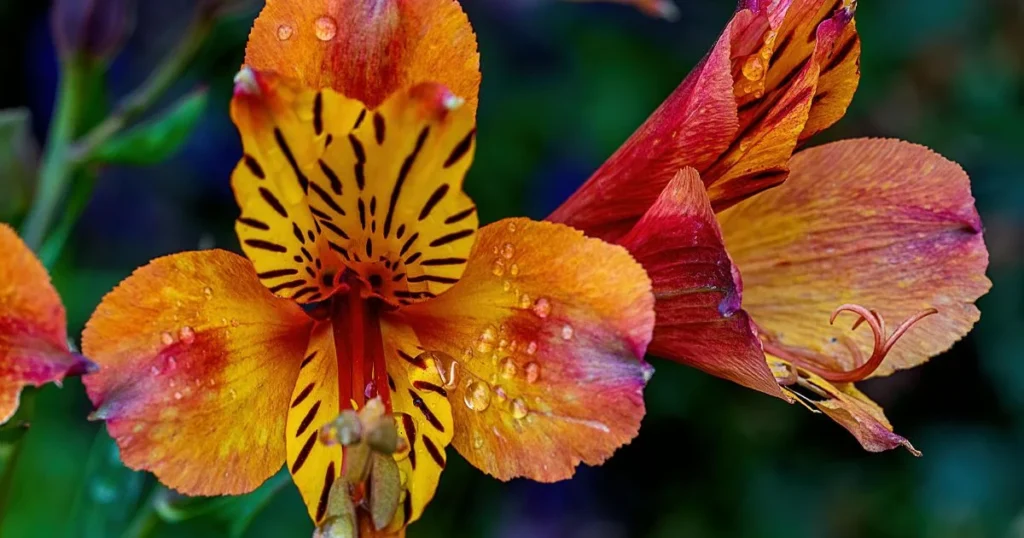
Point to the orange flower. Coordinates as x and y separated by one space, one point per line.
33 331
367 277
880 223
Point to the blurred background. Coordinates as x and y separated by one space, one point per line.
564 84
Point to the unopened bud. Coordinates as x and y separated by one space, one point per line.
385 490
96 28
341 514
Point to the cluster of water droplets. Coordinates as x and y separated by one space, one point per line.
755 67
324 28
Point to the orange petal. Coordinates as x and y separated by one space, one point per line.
696 288
197 364
880 223
33 331
548 329
691 128
776 88
844 404
368 49
327 185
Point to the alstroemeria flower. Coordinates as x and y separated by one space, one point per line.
861 231
367 277
33 329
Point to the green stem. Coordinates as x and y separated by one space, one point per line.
56 167
139 101
25 410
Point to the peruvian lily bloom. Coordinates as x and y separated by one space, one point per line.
872 230
366 277
33 329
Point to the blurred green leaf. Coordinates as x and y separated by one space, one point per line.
109 493
156 140
19 159
233 513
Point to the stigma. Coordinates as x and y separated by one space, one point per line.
822 365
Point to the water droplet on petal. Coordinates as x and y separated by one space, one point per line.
478 396
532 372
478 440
542 308
177 396
166 338
507 251
567 332
753 68
498 268
234 323
284 32
486 341
325 28
506 285
648 371
512 227
513 270
508 368
500 394
233 393
519 410
525 301
154 370
187 335
531 348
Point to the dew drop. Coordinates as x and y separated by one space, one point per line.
508 368
325 28
485 344
648 371
284 32
208 292
187 335
234 323
525 301
567 332
531 348
478 396
542 308
753 68
154 370
467 354
370 390
513 270
512 227
478 440
519 410
177 396
166 338
507 251
532 372
500 394
498 268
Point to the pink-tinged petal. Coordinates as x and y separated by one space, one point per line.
545 334
846 405
696 288
775 98
197 365
368 49
691 128
884 224
33 332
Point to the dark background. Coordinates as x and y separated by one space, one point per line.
564 84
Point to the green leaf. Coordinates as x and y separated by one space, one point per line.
234 514
156 140
108 495
19 161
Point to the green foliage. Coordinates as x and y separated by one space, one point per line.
158 139
18 161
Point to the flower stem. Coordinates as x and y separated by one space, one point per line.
146 519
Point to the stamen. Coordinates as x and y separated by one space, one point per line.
819 364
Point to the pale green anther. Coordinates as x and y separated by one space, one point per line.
356 468
385 490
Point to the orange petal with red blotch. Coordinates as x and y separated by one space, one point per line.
691 128
197 365
548 329
696 288
33 331
368 49
885 224
776 88
846 405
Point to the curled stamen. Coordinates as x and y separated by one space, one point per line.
816 363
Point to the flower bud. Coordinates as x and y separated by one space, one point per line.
95 28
